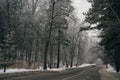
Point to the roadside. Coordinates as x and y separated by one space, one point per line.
80 73
105 75
87 74
48 75
21 70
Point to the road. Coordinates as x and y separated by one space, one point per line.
88 73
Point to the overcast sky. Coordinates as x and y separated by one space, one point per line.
80 7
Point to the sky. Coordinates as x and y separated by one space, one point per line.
80 7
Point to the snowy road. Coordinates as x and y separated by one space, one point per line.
87 73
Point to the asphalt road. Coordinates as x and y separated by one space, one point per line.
88 73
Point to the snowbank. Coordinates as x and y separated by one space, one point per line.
28 70
41 69
110 69
63 68
17 70
57 69
85 65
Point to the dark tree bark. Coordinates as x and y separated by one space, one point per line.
51 55
4 67
117 63
71 62
58 55
49 36
45 55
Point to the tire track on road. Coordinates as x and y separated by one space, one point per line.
88 69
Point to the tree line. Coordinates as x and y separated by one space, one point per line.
37 33
105 14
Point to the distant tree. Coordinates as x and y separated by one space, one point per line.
58 13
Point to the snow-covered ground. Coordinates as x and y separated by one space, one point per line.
110 69
85 65
17 70
40 69
63 68
57 69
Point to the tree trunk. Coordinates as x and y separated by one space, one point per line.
4 68
51 55
71 62
58 55
72 58
66 61
29 58
45 55
49 37
117 65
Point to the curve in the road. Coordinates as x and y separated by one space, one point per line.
88 69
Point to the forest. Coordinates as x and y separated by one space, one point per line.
47 34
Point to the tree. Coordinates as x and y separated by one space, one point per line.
105 14
58 13
63 11
8 30
53 2
36 33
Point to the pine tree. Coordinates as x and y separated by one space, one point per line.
8 31
106 14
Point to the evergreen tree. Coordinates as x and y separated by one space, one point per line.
8 26
106 14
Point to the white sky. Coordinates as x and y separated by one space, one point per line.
80 7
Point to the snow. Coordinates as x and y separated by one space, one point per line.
86 65
110 69
16 70
63 68
57 69
28 70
